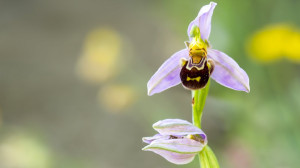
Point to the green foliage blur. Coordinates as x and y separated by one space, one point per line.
73 80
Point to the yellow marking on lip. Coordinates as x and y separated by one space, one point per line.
183 62
192 79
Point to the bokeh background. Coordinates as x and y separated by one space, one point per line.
73 80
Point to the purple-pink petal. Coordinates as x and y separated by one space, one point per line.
148 140
227 72
178 151
177 127
168 74
184 145
203 20
175 158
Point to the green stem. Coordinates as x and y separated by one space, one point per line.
203 158
207 158
199 97
211 157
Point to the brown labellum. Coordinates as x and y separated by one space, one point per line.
195 76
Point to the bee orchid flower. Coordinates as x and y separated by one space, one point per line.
194 65
178 141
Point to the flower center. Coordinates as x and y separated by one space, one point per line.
197 47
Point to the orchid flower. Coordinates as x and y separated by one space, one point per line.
194 65
178 141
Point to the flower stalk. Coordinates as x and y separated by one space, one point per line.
207 157
199 97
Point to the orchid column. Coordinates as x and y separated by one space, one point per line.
193 67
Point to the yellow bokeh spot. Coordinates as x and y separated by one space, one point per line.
274 42
293 47
23 151
100 58
117 98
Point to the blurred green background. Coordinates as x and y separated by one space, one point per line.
73 80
